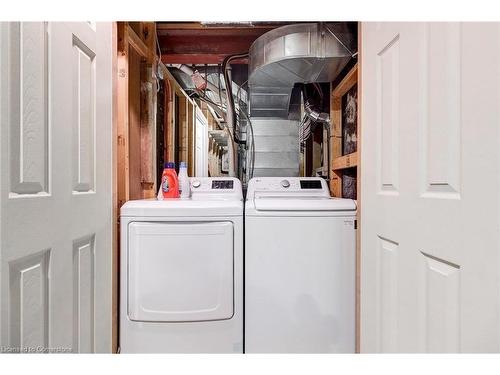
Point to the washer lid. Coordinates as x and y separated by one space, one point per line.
182 207
305 203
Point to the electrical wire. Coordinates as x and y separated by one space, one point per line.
251 147
219 82
320 92
159 54
239 90
229 88
208 101
252 144
230 99
234 128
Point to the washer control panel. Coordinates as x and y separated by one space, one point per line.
315 186
285 184
310 184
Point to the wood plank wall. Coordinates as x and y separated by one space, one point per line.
340 163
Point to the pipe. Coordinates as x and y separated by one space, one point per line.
230 108
314 114
230 123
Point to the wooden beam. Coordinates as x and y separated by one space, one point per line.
147 110
167 27
149 34
345 161
134 125
137 43
336 184
347 82
215 32
122 120
206 45
198 59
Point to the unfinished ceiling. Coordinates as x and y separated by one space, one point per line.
208 42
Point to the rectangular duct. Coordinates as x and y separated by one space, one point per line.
276 147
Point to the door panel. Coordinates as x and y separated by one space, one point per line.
56 196
299 291
180 272
429 240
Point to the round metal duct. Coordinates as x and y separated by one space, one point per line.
300 53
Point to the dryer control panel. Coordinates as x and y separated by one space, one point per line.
222 184
215 187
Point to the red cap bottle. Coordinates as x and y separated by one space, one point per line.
169 182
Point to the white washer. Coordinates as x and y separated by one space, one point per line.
299 267
182 271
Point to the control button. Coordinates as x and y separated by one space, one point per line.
285 183
196 184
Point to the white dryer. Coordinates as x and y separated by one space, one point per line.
182 271
299 267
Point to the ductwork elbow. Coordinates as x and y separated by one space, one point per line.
301 53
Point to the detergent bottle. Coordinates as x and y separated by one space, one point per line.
184 187
169 187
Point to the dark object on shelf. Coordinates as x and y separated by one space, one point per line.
350 120
349 182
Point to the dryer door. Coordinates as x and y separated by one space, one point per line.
180 271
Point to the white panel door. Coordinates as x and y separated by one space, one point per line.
56 192
430 188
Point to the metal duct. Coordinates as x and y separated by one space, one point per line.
300 53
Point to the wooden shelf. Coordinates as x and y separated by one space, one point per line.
340 175
346 161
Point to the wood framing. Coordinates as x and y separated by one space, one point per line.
134 128
346 161
338 162
194 43
137 43
186 116
122 120
136 99
191 123
141 37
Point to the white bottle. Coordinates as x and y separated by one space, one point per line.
184 187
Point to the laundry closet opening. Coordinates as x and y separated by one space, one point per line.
275 103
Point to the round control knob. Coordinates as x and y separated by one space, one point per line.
285 184
196 184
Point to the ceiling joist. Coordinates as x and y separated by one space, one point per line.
195 43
